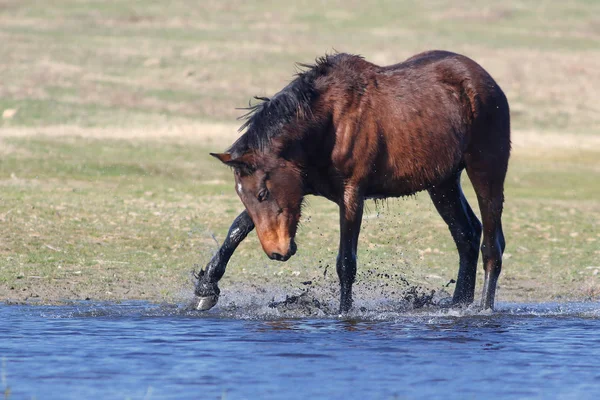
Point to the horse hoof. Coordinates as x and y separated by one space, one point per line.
447 302
206 303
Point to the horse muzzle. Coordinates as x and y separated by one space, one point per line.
284 257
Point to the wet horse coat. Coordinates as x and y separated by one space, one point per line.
349 130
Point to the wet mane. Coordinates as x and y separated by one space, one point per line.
265 120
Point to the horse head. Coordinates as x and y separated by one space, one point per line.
271 189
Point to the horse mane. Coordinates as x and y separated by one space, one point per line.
265 120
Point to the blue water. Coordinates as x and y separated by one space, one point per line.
142 351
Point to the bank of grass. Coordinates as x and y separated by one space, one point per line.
113 219
107 191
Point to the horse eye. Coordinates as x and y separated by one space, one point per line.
263 195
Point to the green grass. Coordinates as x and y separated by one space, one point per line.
86 216
113 218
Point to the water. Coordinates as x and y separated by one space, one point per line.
140 351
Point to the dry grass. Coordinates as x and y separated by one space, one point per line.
129 63
207 132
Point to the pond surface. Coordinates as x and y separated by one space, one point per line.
138 350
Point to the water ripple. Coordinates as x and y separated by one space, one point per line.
140 350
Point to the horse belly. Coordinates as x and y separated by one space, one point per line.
383 187
405 176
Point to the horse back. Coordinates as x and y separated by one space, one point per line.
413 123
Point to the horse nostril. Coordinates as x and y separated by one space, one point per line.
293 248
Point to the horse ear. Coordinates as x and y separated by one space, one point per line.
223 157
243 163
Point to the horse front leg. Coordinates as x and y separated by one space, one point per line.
351 211
207 291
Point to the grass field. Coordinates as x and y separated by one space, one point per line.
109 110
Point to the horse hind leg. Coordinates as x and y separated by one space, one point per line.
451 204
488 182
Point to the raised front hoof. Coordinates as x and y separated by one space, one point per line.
205 303
207 293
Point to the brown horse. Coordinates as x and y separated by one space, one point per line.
349 130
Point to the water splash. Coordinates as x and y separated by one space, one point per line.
307 306
319 300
